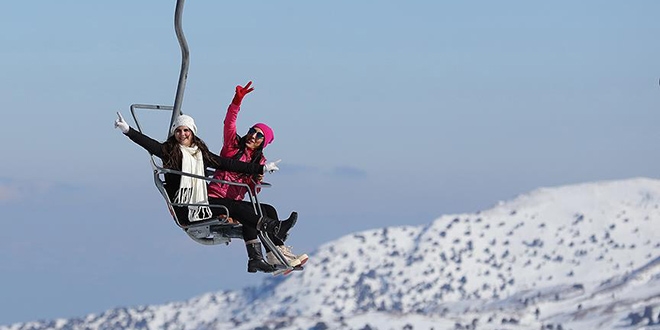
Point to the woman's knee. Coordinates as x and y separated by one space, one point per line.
269 211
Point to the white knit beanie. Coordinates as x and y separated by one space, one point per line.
184 120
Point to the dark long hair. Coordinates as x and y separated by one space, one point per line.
174 155
257 154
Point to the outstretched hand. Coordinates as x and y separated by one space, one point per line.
121 123
272 166
241 91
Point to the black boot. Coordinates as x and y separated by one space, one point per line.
256 262
271 226
286 225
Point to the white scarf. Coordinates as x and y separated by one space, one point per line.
193 190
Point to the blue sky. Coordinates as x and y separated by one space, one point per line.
385 113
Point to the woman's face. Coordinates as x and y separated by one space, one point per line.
254 138
183 135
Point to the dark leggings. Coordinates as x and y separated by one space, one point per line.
243 212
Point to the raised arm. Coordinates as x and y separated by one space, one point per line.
152 146
229 131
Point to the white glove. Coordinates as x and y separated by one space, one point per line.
121 123
272 166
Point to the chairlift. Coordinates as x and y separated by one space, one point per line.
211 231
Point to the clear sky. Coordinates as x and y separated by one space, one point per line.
385 113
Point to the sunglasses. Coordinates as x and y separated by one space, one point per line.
253 130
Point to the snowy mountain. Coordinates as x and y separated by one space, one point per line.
575 257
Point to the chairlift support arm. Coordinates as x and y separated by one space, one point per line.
185 59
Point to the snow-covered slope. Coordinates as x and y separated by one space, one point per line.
575 257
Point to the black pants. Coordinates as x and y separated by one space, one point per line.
243 212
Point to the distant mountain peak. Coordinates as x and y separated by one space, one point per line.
561 255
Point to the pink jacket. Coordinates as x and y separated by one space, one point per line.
229 149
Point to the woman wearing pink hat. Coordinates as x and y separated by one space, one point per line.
249 148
